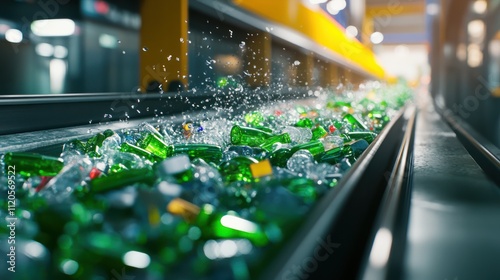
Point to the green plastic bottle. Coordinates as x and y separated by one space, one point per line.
319 132
216 224
178 167
316 147
28 164
304 122
335 155
281 156
129 148
228 225
207 152
248 136
154 144
380 119
94 143
351 150
283 138
368 136
302 187
122 179
238 169
254 118
355 123
338 104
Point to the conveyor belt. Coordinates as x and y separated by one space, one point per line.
454 224
331 243
440 214
448 230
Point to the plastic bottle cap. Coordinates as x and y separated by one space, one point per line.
175 164
183 208
261 169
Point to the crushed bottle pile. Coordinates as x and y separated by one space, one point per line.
202 199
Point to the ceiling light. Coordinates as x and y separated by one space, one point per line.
480 6
14 36
53 27
377 37
351 31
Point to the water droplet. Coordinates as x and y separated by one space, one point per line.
144 49
182 40
242 45
124 52
119 41
296 63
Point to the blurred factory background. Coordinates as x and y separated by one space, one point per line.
93 45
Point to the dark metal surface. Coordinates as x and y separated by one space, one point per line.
389 233
331 242
27 113
454 223
49 142
484 152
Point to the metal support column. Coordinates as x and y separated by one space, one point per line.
258 59
164 45
305 69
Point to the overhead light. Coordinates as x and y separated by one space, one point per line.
351 31
60 52
376 38
14 36
136 259
335 6
108 41
476 28
58 69
432 9
332 11
474 55
53 27
480 6
494 48
44 49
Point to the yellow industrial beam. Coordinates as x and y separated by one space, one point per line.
395 9
164 44
258 59
318 26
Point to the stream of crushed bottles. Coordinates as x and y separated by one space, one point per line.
202 199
